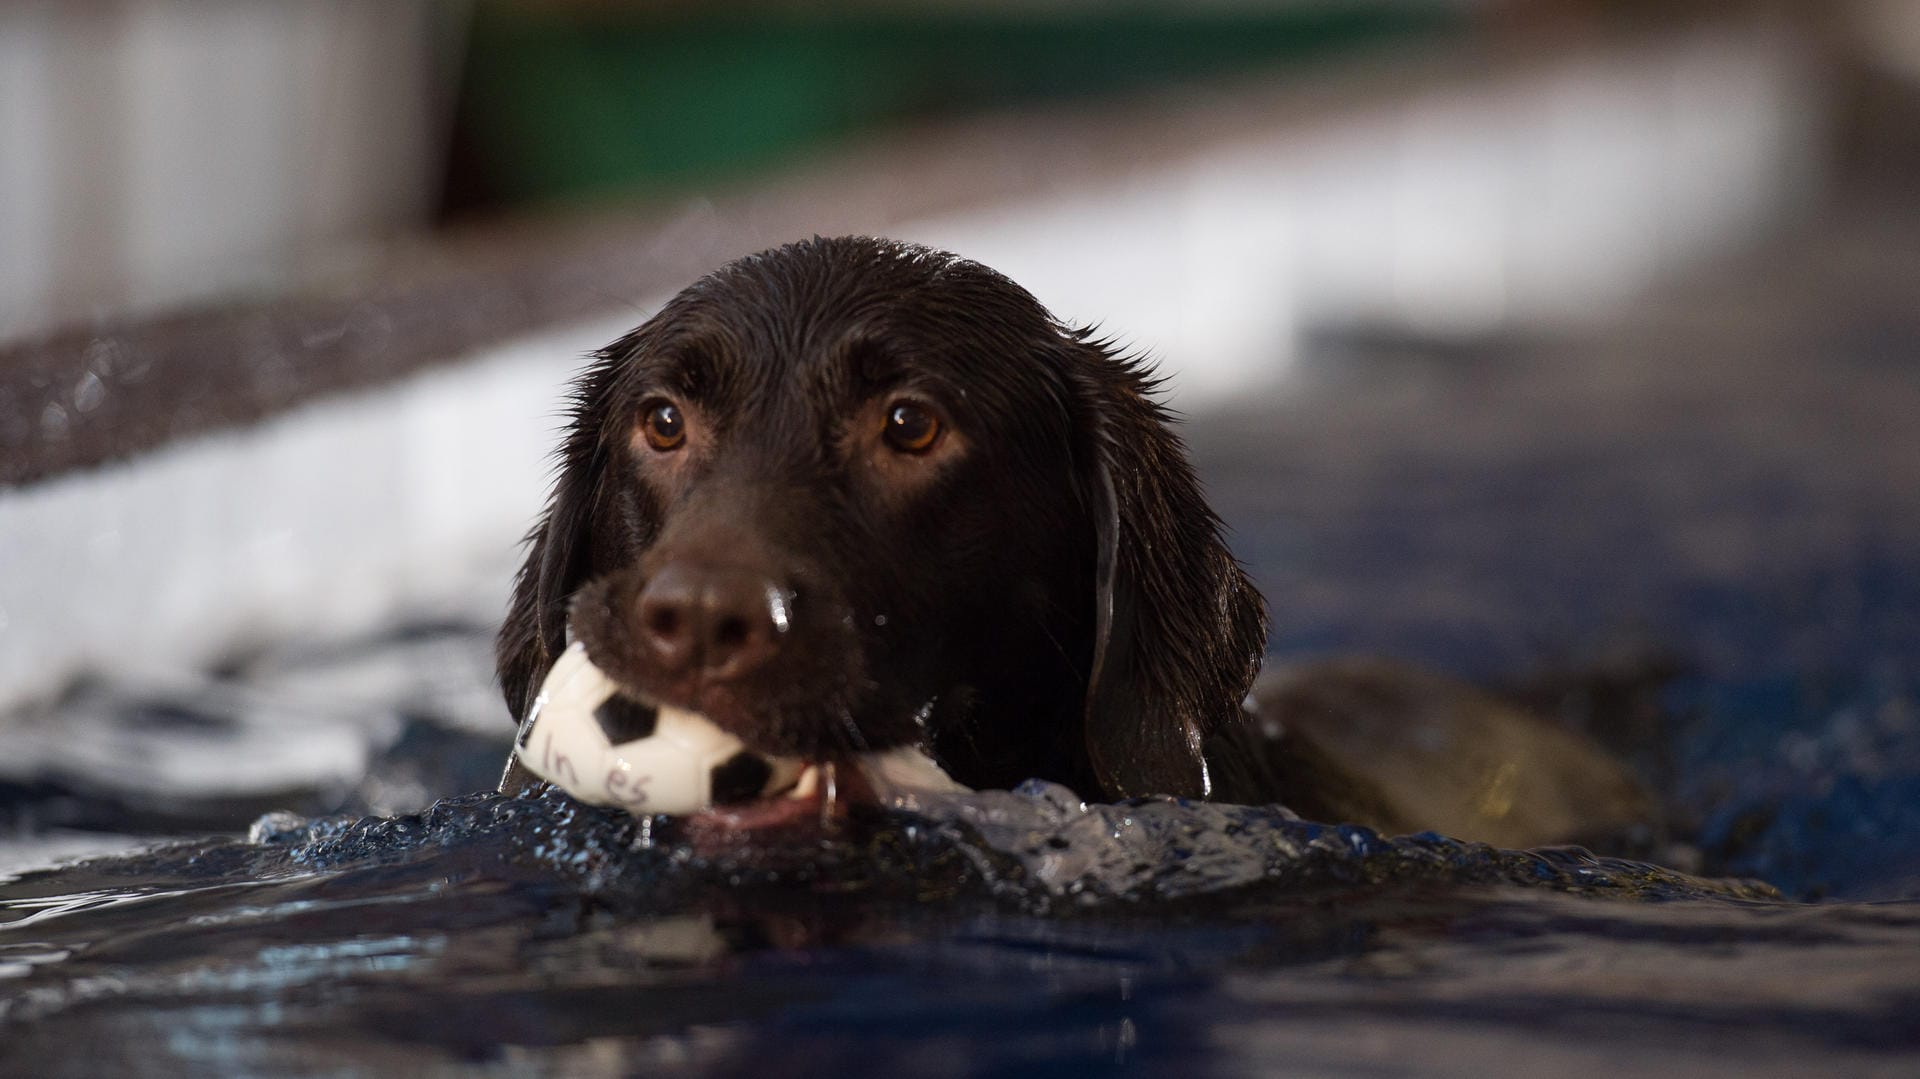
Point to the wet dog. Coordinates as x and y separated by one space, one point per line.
851 494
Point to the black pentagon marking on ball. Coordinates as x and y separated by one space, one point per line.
625 719
740 779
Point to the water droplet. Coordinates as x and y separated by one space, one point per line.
53 422
777 607
103 357
88 393
317 337
879 619
133 366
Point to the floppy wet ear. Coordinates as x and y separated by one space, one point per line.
558 561
1180 630
535 629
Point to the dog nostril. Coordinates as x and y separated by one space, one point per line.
731 632
663 621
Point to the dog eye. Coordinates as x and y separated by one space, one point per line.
911 428
665 428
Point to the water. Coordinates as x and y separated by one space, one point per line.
998 932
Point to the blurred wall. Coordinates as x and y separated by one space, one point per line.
158 151
1543 192
1542 197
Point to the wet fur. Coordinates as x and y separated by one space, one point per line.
1059 603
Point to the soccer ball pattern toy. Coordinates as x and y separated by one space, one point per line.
601 746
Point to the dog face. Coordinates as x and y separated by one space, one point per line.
850 494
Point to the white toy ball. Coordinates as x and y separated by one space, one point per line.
603 747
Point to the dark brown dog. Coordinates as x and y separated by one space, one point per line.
850 494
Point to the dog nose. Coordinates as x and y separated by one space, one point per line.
719 623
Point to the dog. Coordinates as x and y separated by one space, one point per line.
850 495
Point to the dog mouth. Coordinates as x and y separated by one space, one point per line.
817 801
824 787
605 742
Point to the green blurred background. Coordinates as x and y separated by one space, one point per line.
564 101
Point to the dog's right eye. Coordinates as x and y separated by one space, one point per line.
911 428
666 429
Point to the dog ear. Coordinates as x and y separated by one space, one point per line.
1180 630
558 561
534 631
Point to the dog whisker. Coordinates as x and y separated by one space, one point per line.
855 740
829 793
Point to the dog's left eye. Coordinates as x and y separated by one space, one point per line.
911 428
665 427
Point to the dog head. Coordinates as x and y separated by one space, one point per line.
850 494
